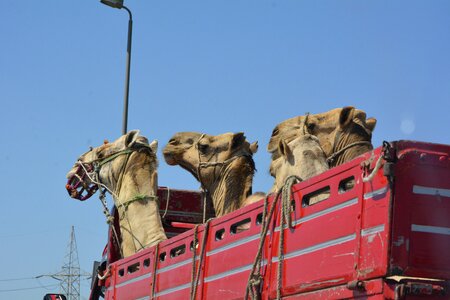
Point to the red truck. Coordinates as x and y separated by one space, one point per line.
382 233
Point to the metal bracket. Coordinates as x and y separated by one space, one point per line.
356 285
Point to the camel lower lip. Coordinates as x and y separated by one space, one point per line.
169 159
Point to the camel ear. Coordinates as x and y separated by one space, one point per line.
154 146
370 123
284 149
238 139
346 116
254 147
131 137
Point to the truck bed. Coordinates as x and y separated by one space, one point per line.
388 238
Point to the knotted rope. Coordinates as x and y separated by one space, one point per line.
285 221
255 279
195 275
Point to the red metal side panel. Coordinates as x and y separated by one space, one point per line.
231 252
131 277
373 291
173 276
375 228
327 244
421 230
355 234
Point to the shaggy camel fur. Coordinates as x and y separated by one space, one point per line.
127 167
223 165
302 157
343 133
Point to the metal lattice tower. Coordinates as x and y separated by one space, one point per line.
70 273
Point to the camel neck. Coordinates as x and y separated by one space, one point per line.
140 222
356 144
233 186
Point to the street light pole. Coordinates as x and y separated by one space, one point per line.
127 76
119 4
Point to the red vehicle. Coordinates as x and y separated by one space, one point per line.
382 233
54 297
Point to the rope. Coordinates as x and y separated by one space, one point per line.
207 164
194 252
109 218
95 181
155 267
134 239
374 171
200 179
255 279
104 276
333 156
137 198
204 206
167 203
285 221
194 280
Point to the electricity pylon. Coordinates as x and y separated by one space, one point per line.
70 273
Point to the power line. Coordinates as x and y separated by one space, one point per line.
29 288
88 277
17 279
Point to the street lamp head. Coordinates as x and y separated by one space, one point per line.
113 3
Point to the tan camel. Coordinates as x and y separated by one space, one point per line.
343 133
302 157
223 164
126 168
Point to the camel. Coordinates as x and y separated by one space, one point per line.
343 133
126 168
223 164
302 157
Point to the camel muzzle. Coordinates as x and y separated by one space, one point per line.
77 187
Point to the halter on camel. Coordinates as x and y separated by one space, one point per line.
335 152
207 164
78 188
76 184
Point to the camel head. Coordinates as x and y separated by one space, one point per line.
104 164
335 129
341 127
302 157
202 153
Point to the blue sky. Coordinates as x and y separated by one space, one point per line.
208 66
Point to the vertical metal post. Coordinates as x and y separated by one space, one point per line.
127 75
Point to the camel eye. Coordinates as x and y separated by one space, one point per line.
308 153
311 127
173 142
203 148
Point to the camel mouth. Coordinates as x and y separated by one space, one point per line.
169 158
78 184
